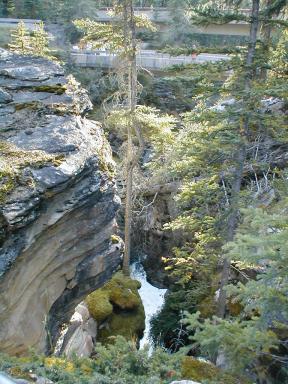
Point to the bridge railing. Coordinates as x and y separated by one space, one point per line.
146 59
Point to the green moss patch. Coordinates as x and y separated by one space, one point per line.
127 324
123 291
29 105
58 89
207 307
115 239
199 370
99 305
234 307
118 304
120 291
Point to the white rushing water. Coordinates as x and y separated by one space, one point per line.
152 298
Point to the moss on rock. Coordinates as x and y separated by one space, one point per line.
99 305
123 291
58 89
118 304
120 291
202 371
207 307
19 373
130 325
197 370
115 239
234 307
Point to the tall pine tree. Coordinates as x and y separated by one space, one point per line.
120 37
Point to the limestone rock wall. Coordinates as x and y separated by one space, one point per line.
57 202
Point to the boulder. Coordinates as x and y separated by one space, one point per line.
185 382
43 380
201 370
80 344
6 379
80 335
58 202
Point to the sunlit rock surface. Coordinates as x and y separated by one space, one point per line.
185 382
79 336
57 215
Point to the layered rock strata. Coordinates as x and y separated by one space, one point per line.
57 202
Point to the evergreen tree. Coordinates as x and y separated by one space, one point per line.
35 43
279 58
220 155
20 40
244 90
256 340
39 41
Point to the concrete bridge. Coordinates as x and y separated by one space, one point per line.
148 59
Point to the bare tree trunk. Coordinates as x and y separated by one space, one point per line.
266 30
240 160
128 211
132 158
129 174
231 226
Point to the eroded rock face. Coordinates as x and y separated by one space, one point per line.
57 218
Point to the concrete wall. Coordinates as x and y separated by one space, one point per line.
234 29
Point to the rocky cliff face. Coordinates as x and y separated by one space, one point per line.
57 202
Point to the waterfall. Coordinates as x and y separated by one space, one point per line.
152 298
